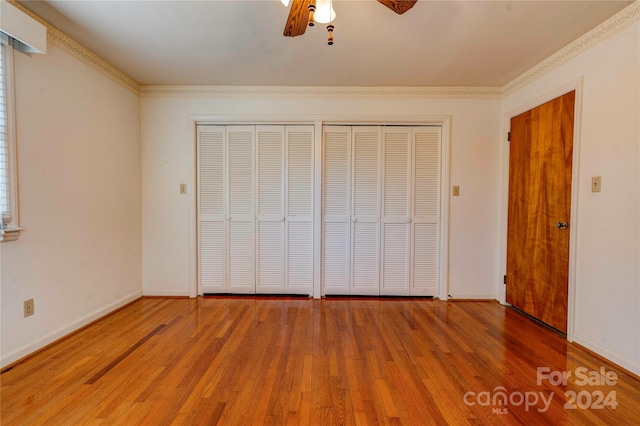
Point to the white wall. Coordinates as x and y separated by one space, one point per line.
607 317
167 160
80 201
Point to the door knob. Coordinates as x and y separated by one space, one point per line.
560 225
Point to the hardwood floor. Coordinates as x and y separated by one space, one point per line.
300 361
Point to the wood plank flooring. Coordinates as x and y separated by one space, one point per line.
298 361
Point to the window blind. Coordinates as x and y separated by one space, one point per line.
5 202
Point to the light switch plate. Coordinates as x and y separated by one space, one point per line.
29 307
183 188
596 184
456 191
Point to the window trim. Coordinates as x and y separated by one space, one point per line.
10 230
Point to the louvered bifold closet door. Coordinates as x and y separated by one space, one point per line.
395 227
365 210
241 213
425 220
336 210
299 209
270 210
211 209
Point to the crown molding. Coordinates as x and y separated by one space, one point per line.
319 92
621 20
65 43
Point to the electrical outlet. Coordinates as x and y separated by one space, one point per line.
29 307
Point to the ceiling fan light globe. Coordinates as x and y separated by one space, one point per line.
324 11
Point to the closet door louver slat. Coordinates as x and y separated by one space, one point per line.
336 195
365 210
270 274
299 258
396 184
270 277
300 171
212 257
270 141
425 210
211 209
299 211
241 219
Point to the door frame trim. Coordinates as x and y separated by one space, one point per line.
319 120
576 85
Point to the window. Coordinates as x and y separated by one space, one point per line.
18 31
8 177
4 167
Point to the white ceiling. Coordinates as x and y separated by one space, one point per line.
240 42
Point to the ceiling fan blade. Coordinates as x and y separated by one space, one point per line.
399 6
298 19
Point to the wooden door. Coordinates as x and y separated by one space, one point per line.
541 152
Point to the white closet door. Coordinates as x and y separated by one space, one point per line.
270 210
241 219
365 210
396 184
211 209
299 210
336 210
425 210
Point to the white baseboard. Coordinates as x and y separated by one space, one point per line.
472 296
27 350
632 366
154 293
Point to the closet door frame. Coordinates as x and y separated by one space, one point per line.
317 120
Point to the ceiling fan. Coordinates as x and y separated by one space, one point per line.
303 13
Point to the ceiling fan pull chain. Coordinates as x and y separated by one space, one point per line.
330 37
312 18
